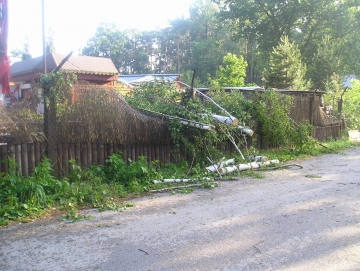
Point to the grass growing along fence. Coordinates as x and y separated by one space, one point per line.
102 187
108 187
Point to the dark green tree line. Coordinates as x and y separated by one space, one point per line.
327 34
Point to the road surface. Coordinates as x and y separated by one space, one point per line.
293 219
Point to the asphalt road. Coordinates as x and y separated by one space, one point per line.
294 219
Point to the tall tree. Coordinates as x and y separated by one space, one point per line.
108 42
262 23
233 71
285 67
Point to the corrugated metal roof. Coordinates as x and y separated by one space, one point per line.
137 79
75 64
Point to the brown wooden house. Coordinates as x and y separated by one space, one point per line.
92 70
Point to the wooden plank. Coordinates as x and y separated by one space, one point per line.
94 153
18 157
31 153
58 163
124 151
89 154
37 154
110 150
157 157
42 150
133 155
24 160
11 150
101 160
105 153
168 154
145 152
84 154
137 152
65 160
78 153
162 155
71 151
3 157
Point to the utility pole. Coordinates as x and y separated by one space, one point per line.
43 37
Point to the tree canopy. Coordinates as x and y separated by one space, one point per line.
326 33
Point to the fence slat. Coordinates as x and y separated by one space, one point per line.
65 160
84 155
24 160
37 152
89 154
18 156
94 152
78 153
110 150
31 153
3 164
101 154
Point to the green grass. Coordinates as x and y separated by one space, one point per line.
108 187
313 149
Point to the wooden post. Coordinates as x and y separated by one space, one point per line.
65 160
162 154
148 153
157 153
105 153
31 151
78 153
137 151
94 153
18 157
24 160
58 163
42 150
89 154
133 156
168 154
11 151
124 152
145 152
110 150
4 166
84 155
153 153
101 154
71 151
37 152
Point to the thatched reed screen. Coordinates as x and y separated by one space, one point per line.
100 114
95 122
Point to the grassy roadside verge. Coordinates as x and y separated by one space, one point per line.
108 187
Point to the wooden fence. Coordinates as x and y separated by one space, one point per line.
324 133
28 155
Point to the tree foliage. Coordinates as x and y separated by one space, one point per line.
351 106
233 71
285 67
262 23
327 34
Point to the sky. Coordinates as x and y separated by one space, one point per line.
74 22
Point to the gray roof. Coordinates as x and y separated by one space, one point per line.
75 64
138 79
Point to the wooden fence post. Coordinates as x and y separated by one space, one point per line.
31 152
24 160
94 153
18 159
37 153
4 166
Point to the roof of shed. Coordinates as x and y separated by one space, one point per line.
138 79
75 64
